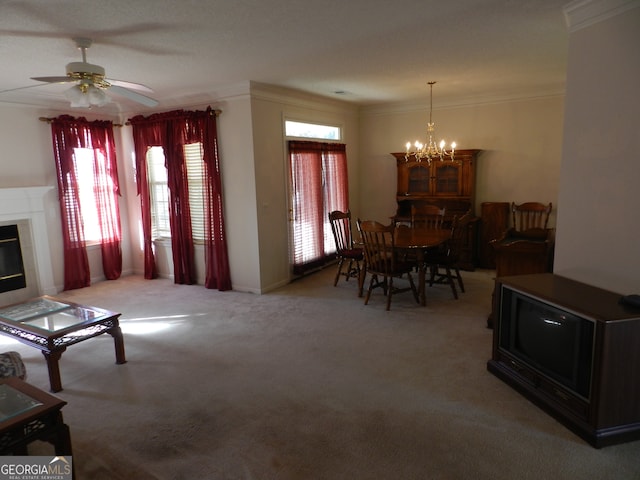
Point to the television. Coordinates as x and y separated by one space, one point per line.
548 339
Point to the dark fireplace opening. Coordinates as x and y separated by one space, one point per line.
11 267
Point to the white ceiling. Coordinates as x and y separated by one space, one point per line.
373 51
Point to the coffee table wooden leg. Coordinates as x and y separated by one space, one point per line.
62 441
60 438
118 341
52 359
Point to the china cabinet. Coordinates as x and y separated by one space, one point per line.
446 183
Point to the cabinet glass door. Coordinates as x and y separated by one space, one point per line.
419 179
448 176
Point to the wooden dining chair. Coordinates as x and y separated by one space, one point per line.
530 215
427 216
444 265
384 264
347 252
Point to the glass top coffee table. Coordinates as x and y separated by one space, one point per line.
51 325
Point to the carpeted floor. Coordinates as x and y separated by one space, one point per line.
305 383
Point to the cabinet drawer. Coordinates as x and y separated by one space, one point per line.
561 396
553 392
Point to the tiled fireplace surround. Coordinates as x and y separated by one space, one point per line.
25 207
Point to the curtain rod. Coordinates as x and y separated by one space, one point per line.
215 113
212 112
49 120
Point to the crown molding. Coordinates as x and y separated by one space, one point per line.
580 14
462 102
297 98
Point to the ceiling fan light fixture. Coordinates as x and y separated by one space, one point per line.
77 97
97 96
86 96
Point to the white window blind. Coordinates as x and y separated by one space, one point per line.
193 153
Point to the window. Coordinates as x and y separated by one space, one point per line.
312 130
319 185
159 190
93 182
87 177
324 189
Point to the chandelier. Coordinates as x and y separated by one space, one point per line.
430 150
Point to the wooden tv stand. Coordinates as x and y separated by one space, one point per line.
611 413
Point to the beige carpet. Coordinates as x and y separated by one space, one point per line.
305 383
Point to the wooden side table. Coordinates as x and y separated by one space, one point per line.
494 221
28 414
521 253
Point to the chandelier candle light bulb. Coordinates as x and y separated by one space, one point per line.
430 150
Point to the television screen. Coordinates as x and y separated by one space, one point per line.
548 338
557 343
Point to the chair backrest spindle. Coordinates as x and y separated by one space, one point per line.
427 216
341 228
530 215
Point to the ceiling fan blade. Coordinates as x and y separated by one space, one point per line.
129 85
54 79
21 88
135 96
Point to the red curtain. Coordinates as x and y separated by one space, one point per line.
319 185
69 133
145 135
172 131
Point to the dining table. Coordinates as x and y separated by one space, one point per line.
419 240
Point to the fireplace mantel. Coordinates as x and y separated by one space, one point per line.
27 203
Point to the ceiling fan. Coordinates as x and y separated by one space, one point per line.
91 83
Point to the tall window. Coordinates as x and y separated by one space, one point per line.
319 185
93 184
88 189
159 191
192 195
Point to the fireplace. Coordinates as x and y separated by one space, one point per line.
11 265
22 211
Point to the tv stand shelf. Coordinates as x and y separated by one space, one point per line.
609 412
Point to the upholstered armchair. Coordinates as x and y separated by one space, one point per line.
11 365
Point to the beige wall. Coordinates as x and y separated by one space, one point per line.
270 108
521 143
598 231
